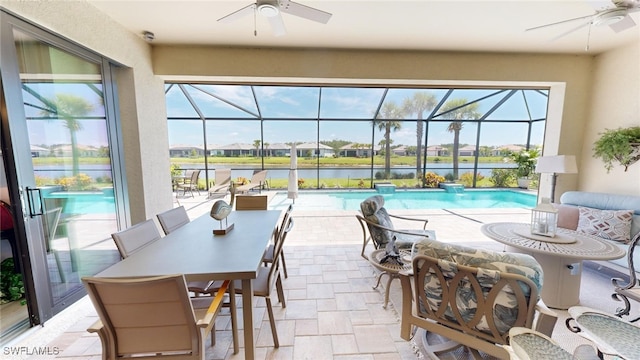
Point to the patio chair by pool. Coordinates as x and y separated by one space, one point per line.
472 297
221 184
377 226
190 184
258 181
151 317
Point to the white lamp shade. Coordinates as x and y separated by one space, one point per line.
559 164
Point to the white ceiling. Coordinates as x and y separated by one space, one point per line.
480 25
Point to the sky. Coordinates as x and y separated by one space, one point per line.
236 109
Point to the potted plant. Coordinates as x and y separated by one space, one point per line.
620 145
526 164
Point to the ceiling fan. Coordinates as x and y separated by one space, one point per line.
272 10
614 13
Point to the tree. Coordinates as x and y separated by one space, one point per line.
457 110
256 144
69 108
387 120
420 103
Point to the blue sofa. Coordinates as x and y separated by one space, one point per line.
604 201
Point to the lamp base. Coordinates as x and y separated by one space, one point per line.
223 231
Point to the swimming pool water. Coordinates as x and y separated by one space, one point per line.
408 199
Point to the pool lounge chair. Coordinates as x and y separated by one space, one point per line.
258 181
221 184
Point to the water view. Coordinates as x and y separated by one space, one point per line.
408 199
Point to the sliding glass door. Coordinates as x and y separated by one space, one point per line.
58 98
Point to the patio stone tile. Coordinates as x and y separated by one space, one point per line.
306 327
327 305
320 291
313 347
360 317
297 294
335 277
350 301
374 339
281 353
294 282
334 322
301 309
344 344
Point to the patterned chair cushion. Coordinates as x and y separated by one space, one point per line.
490 264
373 210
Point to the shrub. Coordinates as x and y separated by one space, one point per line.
502 177
432 180
379 175
467 178
361 184
449 177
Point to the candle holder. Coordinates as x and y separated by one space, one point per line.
544 219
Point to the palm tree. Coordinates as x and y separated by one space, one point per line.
256 144
457 110
420 103
386 120
70 108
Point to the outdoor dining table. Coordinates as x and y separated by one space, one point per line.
193 250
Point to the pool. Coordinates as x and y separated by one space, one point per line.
82 202
408 199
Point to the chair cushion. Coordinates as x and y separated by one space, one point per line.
490 264
607 224
373 210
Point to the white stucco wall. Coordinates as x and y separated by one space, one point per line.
614 103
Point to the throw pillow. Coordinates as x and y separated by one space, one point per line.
568 216
608 224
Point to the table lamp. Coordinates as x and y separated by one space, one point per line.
554 165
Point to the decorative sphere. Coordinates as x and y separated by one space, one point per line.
220 210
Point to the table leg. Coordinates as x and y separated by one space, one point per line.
247 314
562 277
234 320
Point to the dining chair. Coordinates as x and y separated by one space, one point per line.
172 220
251 202
136 237
268 277
151 317
268 253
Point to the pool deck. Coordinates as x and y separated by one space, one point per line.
322 244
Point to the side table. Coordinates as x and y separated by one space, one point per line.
561 257
391 270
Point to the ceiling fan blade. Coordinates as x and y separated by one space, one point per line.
303 11
624 24
249 9
561 22
571 30
277 25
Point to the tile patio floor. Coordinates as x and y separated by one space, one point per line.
332 311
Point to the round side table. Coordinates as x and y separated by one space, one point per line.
391 270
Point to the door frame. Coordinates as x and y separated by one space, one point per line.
19 167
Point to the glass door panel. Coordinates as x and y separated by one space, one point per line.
68 141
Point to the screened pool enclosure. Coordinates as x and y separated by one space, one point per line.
354 137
